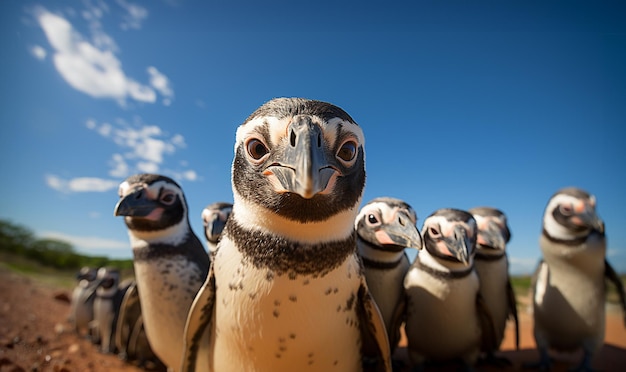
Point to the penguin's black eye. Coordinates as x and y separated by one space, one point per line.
347 151
168 198
372 219
256 149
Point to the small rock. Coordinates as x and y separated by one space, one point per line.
62 296
59 328
73 348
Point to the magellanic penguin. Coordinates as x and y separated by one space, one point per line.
106 306
169 260
385 227
492 267
83 295
446 318
569 288
287 290
130 336
214 218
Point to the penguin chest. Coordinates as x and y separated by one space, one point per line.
385 286
268 321
166 288
569 305
442 321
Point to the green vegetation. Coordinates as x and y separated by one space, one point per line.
22 252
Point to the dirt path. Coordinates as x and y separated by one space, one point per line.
35 335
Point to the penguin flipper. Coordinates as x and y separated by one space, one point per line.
610 274
198 319
485 320
510 296
398 317
122 322
375 352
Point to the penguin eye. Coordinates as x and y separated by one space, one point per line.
256 148
347 151
372 220
432 231
168 198
566 210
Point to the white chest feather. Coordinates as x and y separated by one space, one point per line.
166 290
269 322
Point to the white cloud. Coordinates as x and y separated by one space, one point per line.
91 66
38 52
119 167
86 242
80 184
522 266
161 83
135 15
147 147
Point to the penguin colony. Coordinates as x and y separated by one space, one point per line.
296 277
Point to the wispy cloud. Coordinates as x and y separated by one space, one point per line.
134 17
144 147
80 184
522 266
86 242
92 66
38 52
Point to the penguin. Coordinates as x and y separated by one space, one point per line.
446 317
130 337
286 289
214 218
83 295
492 267
385 226
169 260
569 284
107 305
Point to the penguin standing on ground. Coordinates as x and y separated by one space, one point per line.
385 227
169 260
106 306
446 317
214 218
569 287
287 290
492 267
83 295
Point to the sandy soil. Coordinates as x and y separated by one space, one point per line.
35 335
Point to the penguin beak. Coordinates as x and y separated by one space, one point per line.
214 229
459 245
590 218
491 237
303 168
135 204
403 234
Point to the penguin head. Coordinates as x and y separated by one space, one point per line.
571 213
450 235
493 230
107 281
389 225
214 218
87 274
153 206
301 159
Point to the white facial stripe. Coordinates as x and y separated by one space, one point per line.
447 227
253 216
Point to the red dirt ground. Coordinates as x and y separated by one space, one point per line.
35 335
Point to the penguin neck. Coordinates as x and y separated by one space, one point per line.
442 268
488 254
374 255
255 217
173 235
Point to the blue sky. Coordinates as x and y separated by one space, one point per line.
463 103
